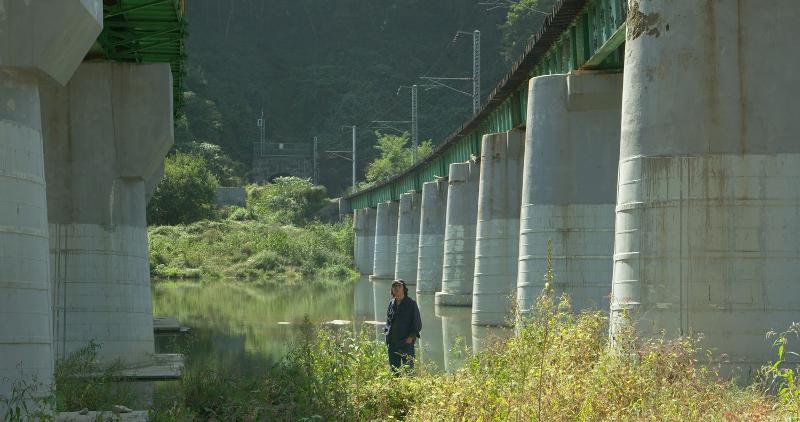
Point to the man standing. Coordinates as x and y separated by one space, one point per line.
403 324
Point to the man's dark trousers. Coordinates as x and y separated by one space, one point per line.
401 354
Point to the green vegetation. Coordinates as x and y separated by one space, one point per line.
396 155
275 236
186 192
559 366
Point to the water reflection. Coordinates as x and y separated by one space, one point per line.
456 333
363 303
431 348
244 327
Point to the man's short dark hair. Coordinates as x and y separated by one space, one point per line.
401 282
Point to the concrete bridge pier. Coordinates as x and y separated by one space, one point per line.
364 225
497 233
708 205
408 238
569 187
431 236
40 41
106 134
459 235
385 241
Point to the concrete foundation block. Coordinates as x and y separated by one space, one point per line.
408 238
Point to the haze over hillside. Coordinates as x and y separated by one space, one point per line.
314 66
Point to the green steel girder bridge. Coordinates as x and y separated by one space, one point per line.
145 31
577 35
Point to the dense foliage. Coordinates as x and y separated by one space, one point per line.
275 236
287 200
185 194
396 155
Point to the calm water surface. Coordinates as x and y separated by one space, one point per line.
246 327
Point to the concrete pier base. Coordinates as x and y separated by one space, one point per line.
40 41
569 187
497 232
433 214
459 235
708 205
106 134
408 238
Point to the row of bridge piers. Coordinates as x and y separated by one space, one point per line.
670 193
82 146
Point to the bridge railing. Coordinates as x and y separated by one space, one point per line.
578 34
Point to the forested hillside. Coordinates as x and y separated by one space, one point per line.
314 66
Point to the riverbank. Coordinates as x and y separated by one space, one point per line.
251 250
558 367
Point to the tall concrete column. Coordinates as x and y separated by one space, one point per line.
708 205
497 233
408 238
569 187
38 41
431 236
106 135
364 240
459 235
385 241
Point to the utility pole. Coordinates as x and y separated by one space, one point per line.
261 132
316 163
354 158
476 71
414 124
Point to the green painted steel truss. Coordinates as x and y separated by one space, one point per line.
145 31
578 34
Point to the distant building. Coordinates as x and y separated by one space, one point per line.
277 159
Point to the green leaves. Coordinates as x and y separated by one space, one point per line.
395 156
185 194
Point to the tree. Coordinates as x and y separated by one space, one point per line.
287 200
523 19
227 171
185 194
395 156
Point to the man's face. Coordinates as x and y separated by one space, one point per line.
397 291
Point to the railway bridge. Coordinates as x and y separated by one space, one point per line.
648 147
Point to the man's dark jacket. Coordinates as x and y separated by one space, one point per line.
402 321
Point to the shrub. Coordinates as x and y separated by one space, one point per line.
287 200
185 194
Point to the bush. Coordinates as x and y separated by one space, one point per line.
185 194
287 200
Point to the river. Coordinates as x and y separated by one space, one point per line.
245 327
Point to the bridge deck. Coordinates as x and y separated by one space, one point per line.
145 31
578 34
